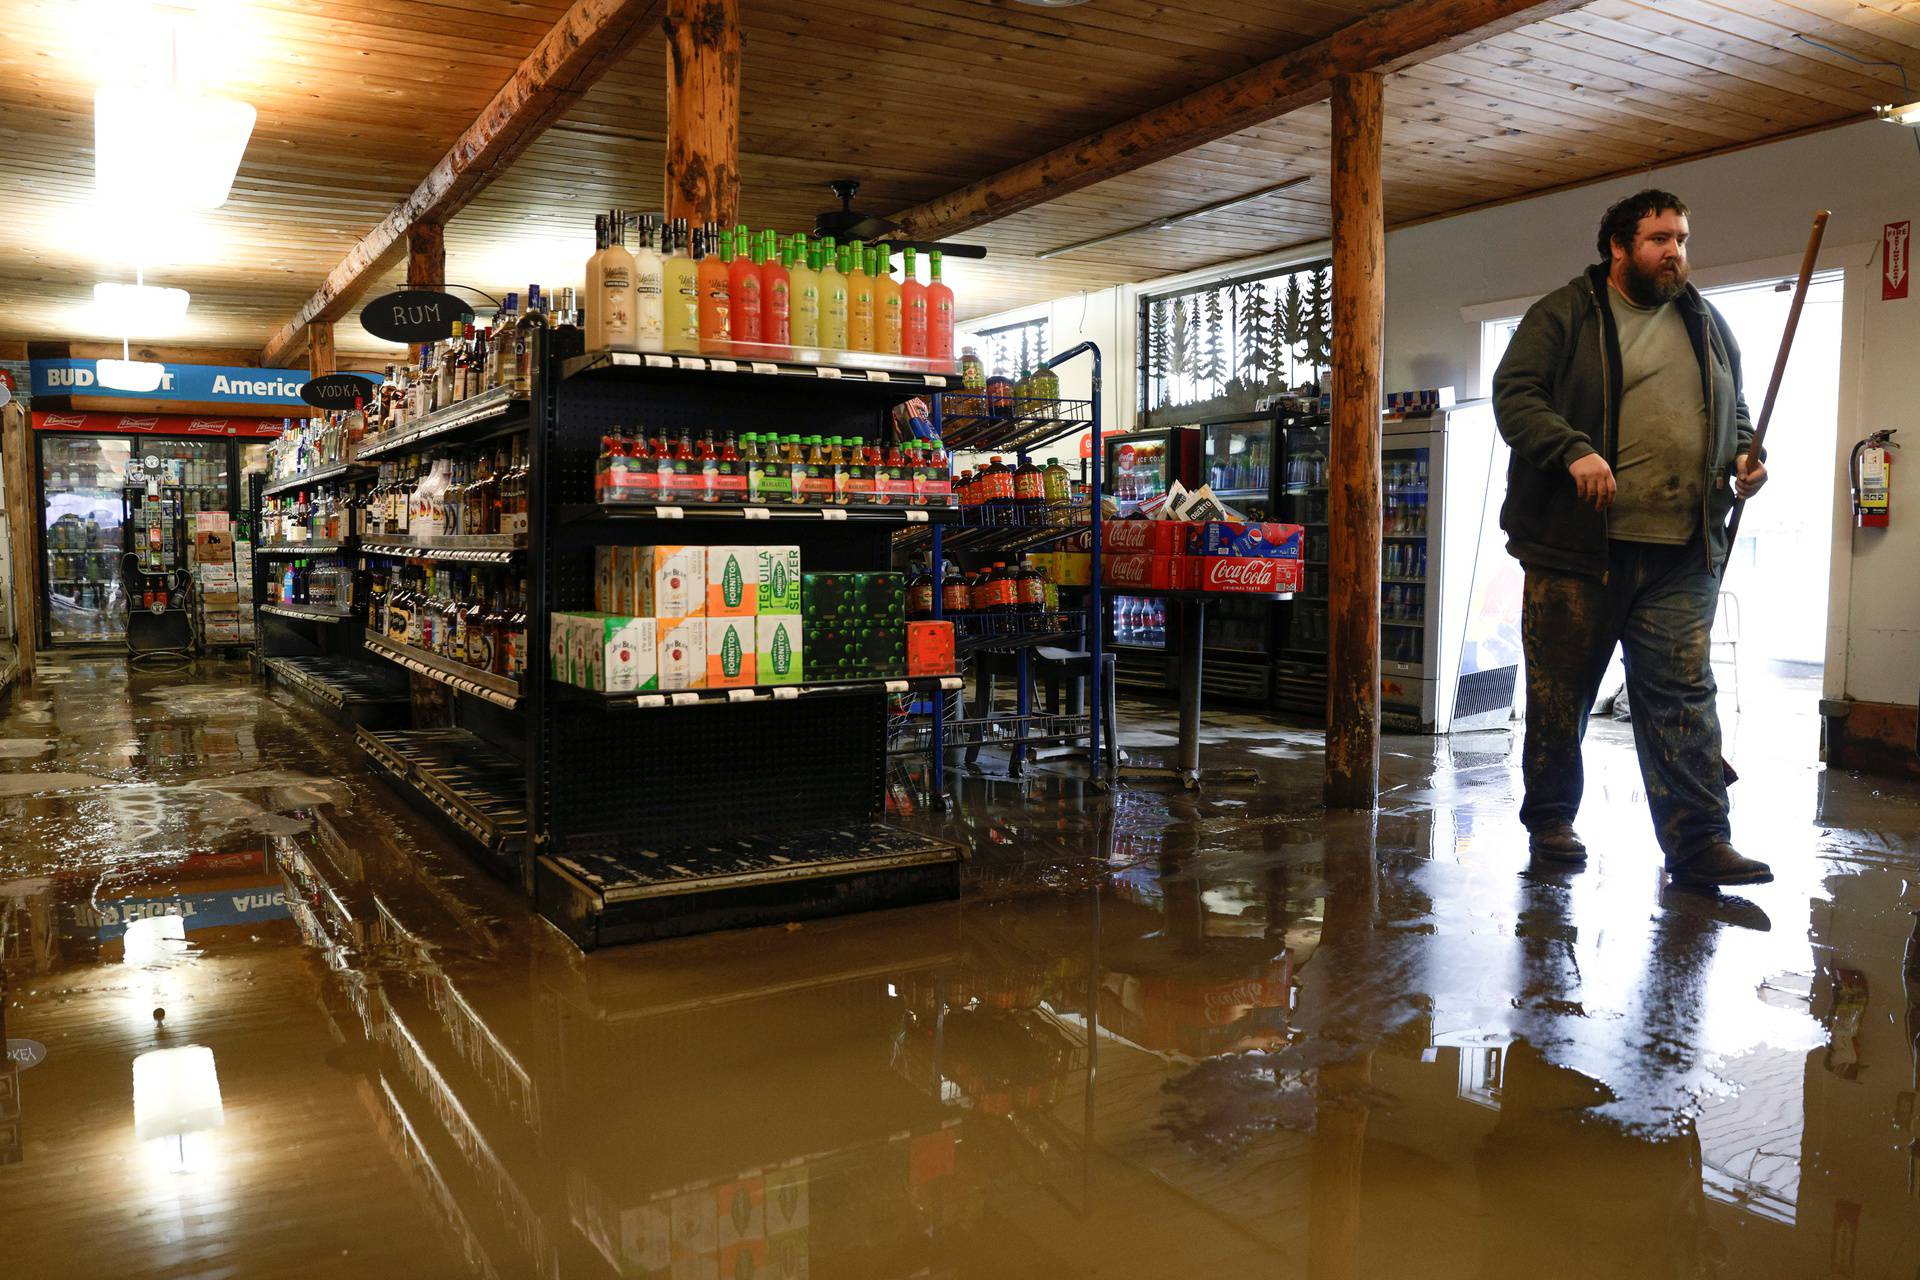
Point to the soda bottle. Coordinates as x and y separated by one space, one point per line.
1059 485
1029 485
919 592
956 600
1031 593
939 474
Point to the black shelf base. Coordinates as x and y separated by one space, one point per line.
347 692
599 899
471 787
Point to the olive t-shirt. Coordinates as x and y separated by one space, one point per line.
1661 464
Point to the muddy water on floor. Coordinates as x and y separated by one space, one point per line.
1163 1035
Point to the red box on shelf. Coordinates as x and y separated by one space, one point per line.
1233 538
1160 537
1243 574
929 648
1142 570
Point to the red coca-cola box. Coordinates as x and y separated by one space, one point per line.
1235 538
929 648
1161 537
1244 574
1142 570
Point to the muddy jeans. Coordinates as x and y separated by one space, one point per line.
1658 603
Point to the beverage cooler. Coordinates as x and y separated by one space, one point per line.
1143 631
1243 636
1450 593
101 545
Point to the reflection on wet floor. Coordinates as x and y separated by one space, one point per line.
1161 1035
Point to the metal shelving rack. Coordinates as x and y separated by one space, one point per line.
1002 529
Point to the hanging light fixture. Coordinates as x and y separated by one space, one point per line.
139 308
163 145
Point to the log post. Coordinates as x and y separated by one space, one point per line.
426 256
1353 570
23 532
320 357
703 110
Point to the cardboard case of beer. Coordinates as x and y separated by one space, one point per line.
733 582
777 648
669 582
682 652
614 653
1233 538
777 576
731 649
1243 574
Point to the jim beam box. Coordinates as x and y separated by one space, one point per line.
778 648
559 646
733 582
603 577
619 654
730 652
681 650
777 579
670 582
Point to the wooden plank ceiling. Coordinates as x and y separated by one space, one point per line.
358 98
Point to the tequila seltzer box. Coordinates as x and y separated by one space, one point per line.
733 582
681 651
1243 574
670 582
778 648
730 652
778 578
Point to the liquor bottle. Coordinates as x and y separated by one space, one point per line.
474 628
596 281
500 358
833 296
517 635
715 326
729 482
939 315
913 309
888 315
649 285
680 291
686 481
568 339
525 339
708 456
494 622
804 281
859 299
776 294
743 287
473 499
420 406
610 290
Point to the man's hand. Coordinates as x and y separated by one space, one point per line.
1748 476
1595 480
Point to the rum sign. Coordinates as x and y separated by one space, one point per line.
414 315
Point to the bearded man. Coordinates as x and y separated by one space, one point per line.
1620 396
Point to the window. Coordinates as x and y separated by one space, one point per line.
1494 337
1011 349
1220 347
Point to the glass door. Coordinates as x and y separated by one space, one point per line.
1403 556
1303 501
1139 469
83 481
1239 466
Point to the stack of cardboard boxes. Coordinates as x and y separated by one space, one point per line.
223 585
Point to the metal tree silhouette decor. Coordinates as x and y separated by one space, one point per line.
1218 349
1012 349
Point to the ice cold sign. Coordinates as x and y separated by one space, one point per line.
414 315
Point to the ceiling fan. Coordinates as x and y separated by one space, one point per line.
845 223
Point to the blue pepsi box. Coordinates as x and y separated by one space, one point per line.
1252 540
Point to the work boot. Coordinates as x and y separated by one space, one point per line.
1556 842
1720 864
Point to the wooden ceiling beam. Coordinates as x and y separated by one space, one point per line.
580 48
1387 41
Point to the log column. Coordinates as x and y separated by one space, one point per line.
426 256
320 358
703 110
23 525
1353 570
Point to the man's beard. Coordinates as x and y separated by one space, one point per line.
1658 287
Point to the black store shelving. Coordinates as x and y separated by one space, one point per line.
355 693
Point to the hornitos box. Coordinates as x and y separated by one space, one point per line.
778 578
730 652
670 582
681 652
733 582
778 648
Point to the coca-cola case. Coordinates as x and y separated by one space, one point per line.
1250 575
1161 537
1141 570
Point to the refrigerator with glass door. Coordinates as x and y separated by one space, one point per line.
1143 630
1237 461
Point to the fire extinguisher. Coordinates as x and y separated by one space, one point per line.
1870 471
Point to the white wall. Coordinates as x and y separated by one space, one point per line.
1751 213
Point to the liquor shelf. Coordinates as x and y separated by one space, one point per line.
354 691
489 413
758 692
594 512
303 548
901 376
338 471
307 613
480 787
462 548
498 690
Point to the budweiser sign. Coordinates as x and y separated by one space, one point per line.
1251 575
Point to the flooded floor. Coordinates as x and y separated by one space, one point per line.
1161 1035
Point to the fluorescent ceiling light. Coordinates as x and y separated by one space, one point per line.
129 375
176 1092
159 146
145 309
1907 115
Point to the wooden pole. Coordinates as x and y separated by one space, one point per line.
703 110
1353 498
320 357
23 533
426 256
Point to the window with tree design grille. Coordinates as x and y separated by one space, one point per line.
1011 349
1219 348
